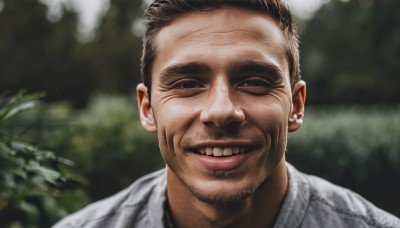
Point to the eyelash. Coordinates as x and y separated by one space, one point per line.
260 83
194 84
188 87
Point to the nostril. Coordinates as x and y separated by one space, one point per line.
222 117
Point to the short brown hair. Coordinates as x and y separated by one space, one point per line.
162 12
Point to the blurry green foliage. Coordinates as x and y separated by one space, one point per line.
106 140
114 53
42 55
351 52
355 147
116 148
30 178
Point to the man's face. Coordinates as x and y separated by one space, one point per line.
220 101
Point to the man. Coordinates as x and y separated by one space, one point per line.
222 89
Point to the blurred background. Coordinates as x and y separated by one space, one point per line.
83 141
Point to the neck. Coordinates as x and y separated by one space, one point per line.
258 210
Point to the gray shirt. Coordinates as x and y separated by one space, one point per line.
310 202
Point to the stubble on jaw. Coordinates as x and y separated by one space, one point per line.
223 173
224 199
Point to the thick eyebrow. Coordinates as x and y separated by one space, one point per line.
186 68
257 67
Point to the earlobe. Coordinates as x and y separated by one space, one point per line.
298 101
146 112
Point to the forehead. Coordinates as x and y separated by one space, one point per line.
212 32
220 20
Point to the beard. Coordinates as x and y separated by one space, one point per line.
222 199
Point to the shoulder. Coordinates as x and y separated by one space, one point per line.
342 207
126 208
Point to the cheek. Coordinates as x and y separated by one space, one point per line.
269 115
279 134
173 119
271 118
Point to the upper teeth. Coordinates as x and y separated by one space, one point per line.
218 151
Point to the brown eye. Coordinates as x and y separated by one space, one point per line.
189 85
253 83
255 86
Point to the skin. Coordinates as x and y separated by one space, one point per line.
221 79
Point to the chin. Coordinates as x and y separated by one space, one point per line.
223 196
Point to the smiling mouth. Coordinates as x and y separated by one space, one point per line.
221 151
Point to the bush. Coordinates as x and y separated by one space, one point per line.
358 148
106 140
30 178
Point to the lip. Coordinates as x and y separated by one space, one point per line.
223 162
224 143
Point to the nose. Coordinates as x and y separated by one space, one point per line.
221 109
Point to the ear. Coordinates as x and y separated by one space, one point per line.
146 112
298 101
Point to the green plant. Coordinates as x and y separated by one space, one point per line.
109 144
355 147
106 140
30 178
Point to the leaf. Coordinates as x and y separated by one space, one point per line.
49 175
23 147
14 105
66 162
17 171
6 151
20 108
44 155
